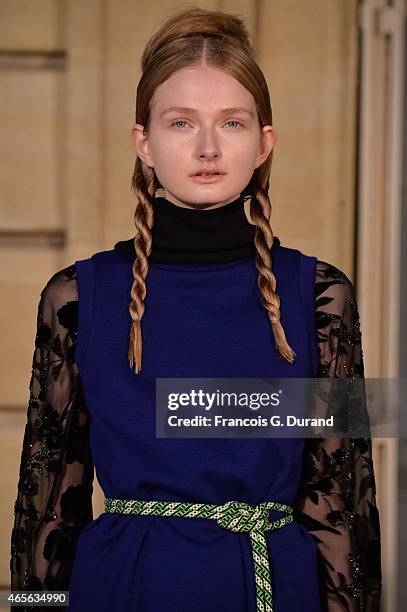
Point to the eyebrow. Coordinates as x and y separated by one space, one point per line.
192 111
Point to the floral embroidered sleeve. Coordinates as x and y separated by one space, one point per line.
337 497
54 493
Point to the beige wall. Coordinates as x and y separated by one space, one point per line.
66 108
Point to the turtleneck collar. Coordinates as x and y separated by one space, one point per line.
187 235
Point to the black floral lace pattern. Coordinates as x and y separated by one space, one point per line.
54 499
337 497
336 501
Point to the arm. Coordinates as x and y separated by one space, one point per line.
337 497
54 497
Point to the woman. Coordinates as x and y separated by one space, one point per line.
212 294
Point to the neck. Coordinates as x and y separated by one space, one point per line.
187 235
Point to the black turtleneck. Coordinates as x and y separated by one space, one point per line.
186 235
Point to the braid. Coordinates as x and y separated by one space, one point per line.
260 212
144 185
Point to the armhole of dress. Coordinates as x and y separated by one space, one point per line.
307 274
86 298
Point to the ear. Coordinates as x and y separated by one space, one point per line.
267 141
140 143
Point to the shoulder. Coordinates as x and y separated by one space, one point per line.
62 286
57 313
60 289
334 291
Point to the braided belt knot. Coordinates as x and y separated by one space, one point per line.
234 516
240 517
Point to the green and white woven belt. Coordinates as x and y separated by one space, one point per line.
233 515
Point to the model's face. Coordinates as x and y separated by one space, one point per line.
180 143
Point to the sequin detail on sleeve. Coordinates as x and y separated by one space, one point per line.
54 497
337 495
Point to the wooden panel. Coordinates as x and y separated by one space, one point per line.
12 428
25 24
30 116
86 174
307 51
23 273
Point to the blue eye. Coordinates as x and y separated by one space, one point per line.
234 121
178 121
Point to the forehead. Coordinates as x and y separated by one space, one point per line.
202 88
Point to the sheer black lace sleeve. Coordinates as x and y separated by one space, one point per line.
337 496
54 496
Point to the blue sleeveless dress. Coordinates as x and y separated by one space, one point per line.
200 320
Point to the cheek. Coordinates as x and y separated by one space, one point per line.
242 146
164 148
170 149
169 160
244 158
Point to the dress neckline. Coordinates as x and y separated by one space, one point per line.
187 235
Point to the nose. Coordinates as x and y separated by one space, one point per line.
208 146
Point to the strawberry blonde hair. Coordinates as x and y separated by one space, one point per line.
190 37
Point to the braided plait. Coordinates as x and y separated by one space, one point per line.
260 212
144 183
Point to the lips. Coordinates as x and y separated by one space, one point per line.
208 173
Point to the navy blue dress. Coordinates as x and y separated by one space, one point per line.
203 318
